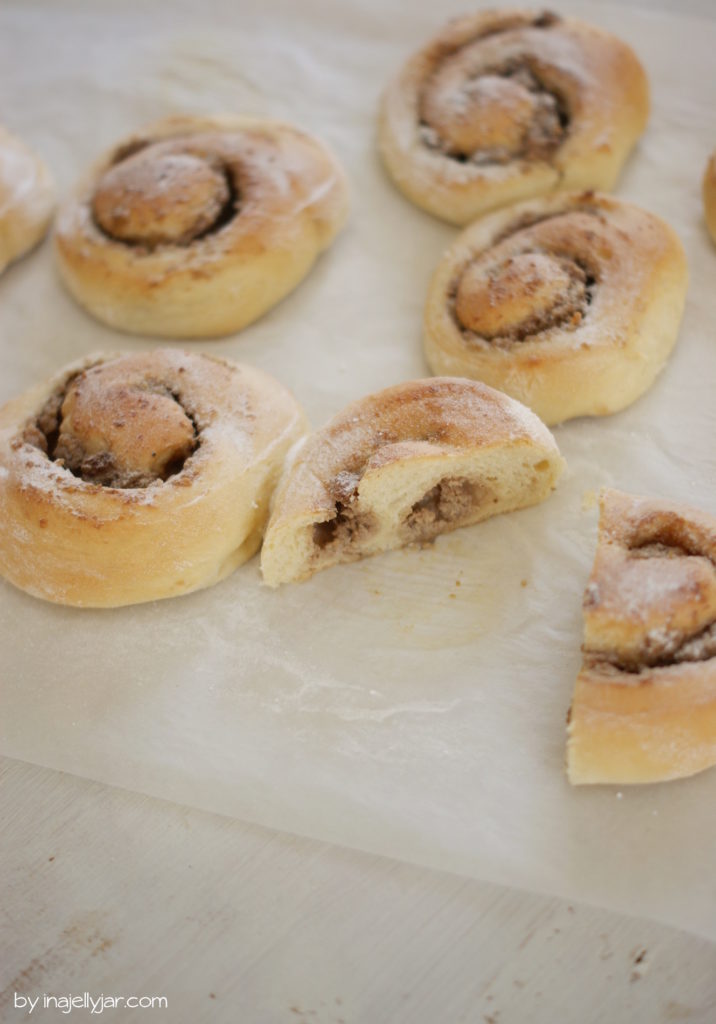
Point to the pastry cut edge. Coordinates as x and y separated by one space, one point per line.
401 467
644 704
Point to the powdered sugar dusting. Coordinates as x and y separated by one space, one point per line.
26 198
577 83
244 424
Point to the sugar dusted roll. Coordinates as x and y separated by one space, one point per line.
197 226
402 466
27 198
644 705
127 478
571 304
500 106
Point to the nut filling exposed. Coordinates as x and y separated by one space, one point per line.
661 648
164 193
520 297
449 503
347 528
658 651
495 113
130 438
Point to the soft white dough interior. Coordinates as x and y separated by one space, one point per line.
414 500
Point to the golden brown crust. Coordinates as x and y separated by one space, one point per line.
708 191
502 105
196 226
404 465
129 478
27 198
644 706
570 303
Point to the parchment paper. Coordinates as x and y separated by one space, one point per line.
414 704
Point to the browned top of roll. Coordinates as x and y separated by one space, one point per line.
503 105
132 477
121 424
194 227
566 270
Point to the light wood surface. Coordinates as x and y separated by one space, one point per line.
108 891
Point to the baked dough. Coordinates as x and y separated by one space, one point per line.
196 226
644 707
500 106
708 188
401 466
128 478
570 303
27 198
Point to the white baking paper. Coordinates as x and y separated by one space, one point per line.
414 704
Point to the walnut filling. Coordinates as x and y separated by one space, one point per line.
135 437
164 193
520 297
346 529
665 540
658 549
491 114
448 503
659 651
662 647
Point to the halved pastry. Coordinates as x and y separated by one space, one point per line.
644 706
404 465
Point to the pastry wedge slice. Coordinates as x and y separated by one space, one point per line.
644 705
402 466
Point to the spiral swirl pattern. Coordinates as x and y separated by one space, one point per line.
197 226
129 478
570 304
503 105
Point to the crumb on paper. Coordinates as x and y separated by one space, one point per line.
640 965
589 500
